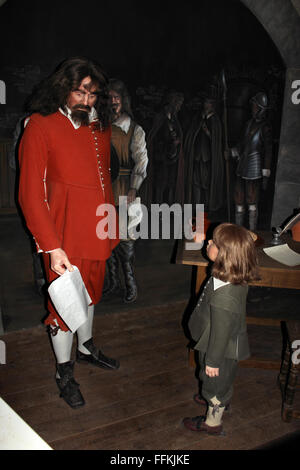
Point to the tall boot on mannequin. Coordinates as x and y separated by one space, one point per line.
113 281
126 253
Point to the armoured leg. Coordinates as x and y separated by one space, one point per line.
126 252
113 281
239 199
252 216
239 214
252 195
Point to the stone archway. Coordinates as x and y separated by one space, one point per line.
284 29
281 20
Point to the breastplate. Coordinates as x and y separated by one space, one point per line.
253 138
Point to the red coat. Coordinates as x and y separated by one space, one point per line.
64 177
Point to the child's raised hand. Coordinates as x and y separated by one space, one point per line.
212 371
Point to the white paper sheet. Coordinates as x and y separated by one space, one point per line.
16 434
70 298
284 254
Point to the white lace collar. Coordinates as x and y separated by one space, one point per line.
218 283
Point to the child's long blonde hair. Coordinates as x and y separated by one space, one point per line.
237 260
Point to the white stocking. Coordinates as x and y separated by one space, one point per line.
214 413
84 332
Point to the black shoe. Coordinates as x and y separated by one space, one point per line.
130 293
69 388
96 358
198 424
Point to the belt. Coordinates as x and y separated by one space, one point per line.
125 171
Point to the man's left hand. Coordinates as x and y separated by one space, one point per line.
131 195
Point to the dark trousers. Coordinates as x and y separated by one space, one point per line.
220 386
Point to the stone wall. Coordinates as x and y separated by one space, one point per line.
284 29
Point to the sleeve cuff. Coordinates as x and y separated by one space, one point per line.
266 172
234 152
136 181
211 363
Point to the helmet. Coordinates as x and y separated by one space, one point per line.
261 100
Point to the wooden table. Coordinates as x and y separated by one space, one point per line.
273 274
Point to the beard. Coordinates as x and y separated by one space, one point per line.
80 114
115 112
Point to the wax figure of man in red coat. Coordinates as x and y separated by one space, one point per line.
64 177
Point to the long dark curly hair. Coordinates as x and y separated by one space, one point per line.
52 93
119 87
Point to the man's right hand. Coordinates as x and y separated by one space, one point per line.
234 153
60 261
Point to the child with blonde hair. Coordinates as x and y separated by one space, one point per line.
218 323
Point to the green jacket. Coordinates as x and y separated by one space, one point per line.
218 323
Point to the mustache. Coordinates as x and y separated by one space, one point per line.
81 107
